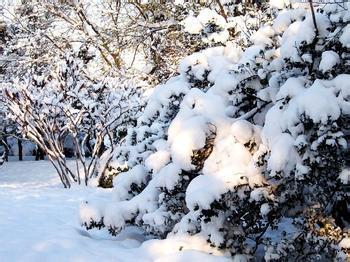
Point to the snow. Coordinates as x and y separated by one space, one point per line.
243 131
169 176
124 180
279 4
186 134
192 25
345 37
345 176
196 196
328 61
285 18
178 248
265 209
257 194
283 153
326 107
263 36
39 222
203 24
157 160
345 243
226 166
189 129
291 88
301 32
282 131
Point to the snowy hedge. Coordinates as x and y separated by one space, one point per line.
247 146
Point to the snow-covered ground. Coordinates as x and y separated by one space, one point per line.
39 222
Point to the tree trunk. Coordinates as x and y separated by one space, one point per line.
20 149
7 150
4 156
39 154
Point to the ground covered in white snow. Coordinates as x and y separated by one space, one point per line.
39 222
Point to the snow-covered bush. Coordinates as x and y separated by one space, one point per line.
68 104
216 23
247 147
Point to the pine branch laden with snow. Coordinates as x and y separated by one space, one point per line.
68 105
247 147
